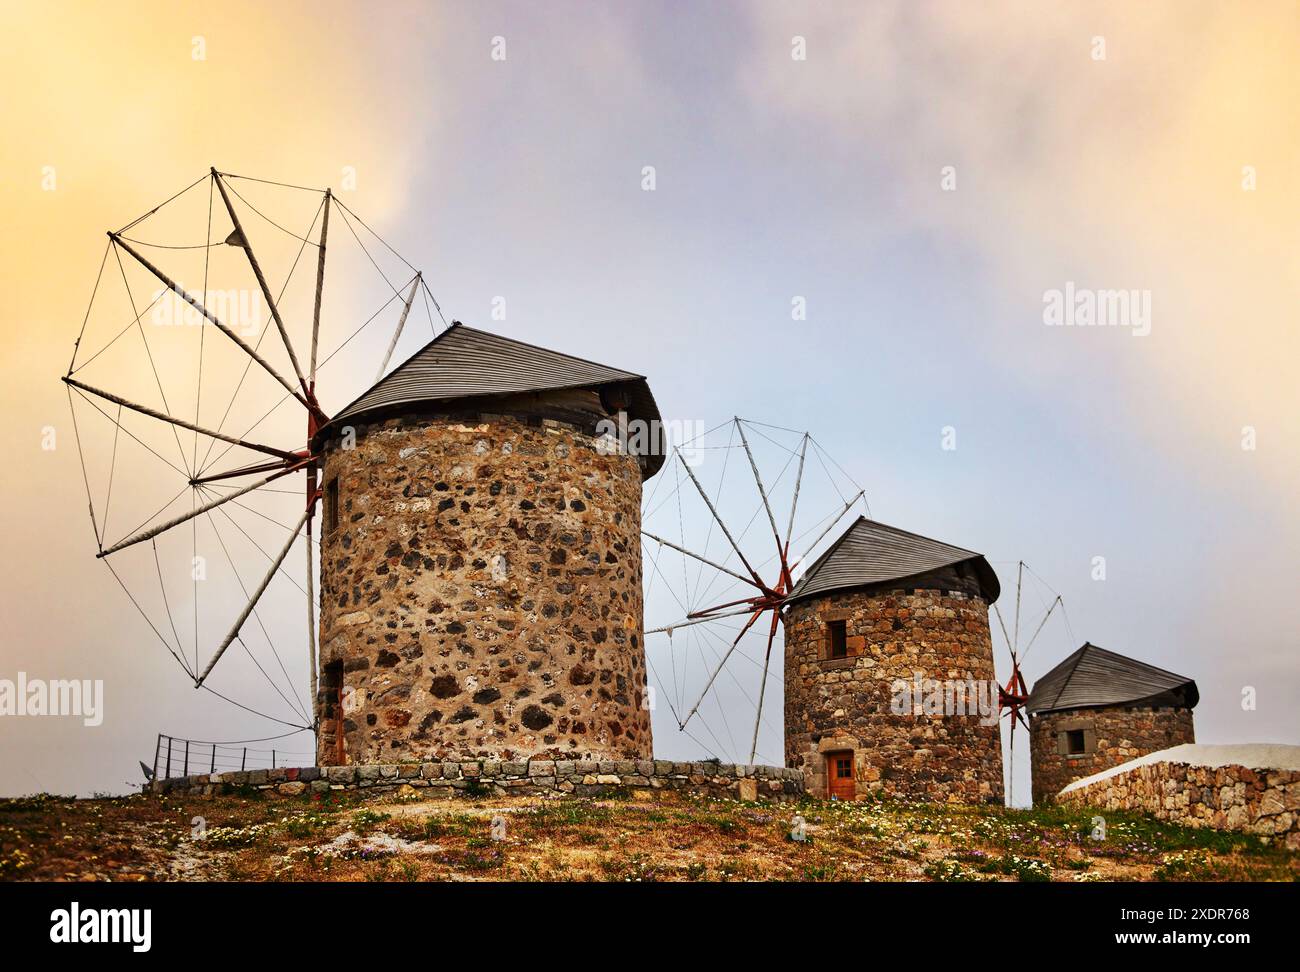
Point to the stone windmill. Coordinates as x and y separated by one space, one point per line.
1097 709
479 562
884 608
481 559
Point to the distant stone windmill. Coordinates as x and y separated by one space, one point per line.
860 607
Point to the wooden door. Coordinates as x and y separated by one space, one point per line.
839 775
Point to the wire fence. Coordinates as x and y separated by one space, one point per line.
175 757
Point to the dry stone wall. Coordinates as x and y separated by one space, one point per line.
1256 800
1111 736
587 778
481 595
841 704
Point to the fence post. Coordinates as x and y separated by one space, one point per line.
273 759
156 749
169 759
214 758
187 758
243 761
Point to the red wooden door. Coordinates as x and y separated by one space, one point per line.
839 776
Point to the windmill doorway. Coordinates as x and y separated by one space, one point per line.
332 737
839 775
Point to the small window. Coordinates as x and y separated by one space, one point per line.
843 767
331 506
837 645
1074 742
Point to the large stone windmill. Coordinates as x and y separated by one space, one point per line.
481 559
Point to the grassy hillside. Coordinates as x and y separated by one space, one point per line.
663 837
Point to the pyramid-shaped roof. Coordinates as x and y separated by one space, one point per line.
1094 677
870 553
465 362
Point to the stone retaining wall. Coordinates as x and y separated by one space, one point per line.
1258 801
532 778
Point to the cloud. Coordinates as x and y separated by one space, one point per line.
1125 172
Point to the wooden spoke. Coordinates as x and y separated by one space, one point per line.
798 481
261 467
1034 636
401 323
1020 574
708 685
762 688
246 245
198 306
712 612
670 628
704 560
718 519
162 416
320 288
838 516
252 601
758 480
152 532
311 613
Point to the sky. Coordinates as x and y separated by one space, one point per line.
842 218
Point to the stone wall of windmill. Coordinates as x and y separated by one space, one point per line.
934 626
1097 709
1103 737
481 588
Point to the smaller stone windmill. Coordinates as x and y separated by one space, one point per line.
873 607
1097 709
881 608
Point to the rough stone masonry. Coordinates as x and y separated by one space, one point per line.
1113 735
843 704
481 595
1252 788
583 778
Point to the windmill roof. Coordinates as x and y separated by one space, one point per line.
1093 677
870 553
465 362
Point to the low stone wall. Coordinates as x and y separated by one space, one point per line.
532 778
1230 796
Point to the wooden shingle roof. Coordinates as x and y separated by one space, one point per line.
464 362
870 553
1094 677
